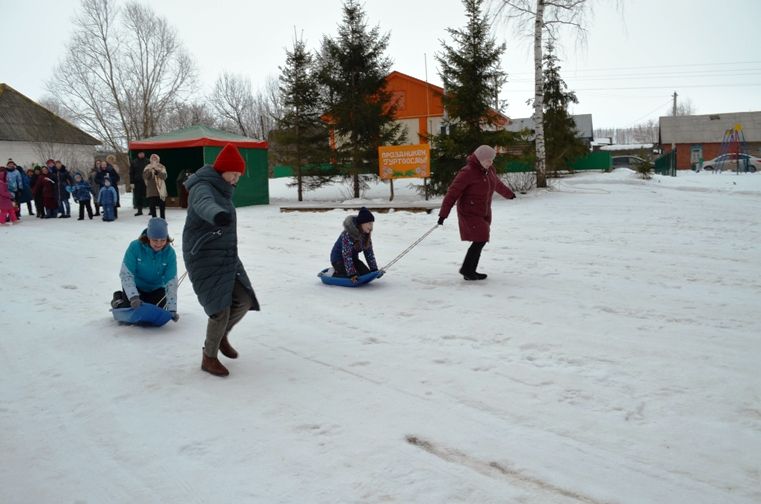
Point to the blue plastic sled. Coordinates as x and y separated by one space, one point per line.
146 314
346 282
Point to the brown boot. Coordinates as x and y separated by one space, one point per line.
213 366
227 349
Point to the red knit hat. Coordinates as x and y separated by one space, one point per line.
230 160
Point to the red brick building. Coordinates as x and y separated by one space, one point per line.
701 135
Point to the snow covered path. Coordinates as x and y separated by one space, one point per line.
612 356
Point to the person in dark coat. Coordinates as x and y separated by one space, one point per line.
138 184
93 178
63 182
45 188
472 190
39 208
210 251
355 238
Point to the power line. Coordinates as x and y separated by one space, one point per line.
667 86
604 69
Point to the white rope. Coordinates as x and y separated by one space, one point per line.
405 251
178 287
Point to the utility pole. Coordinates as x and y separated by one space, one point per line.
674 109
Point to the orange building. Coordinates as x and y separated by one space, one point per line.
419 105
419 108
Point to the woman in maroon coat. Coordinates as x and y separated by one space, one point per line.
472 190
46 188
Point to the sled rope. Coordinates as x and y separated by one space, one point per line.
405 251
178 287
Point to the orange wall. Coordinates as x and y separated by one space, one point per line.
411 96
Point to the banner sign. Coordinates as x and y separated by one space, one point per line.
404 161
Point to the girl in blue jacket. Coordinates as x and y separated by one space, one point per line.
149 271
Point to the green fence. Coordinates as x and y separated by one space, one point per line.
593 161
666 164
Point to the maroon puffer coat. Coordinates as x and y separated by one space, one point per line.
472 189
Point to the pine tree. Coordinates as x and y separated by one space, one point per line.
301 139
470 71
562 143
353 70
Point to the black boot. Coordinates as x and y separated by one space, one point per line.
469 265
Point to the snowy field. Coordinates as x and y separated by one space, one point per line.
612 356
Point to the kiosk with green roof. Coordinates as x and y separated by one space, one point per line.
184 151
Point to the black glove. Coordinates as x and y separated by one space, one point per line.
441 221
135 302
175 316
222 219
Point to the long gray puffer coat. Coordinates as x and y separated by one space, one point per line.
211 251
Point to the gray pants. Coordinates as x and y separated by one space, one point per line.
223 321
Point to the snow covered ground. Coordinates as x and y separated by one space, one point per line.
612 356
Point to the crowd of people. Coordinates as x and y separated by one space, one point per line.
47 190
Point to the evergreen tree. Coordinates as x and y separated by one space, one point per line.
470 70
562 142
353 70
302 139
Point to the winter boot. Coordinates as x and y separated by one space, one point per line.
473 276
213 366
227 349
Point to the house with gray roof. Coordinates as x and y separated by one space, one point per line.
584 128
31 134
701 136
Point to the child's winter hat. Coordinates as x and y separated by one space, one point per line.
230 160
364 215
157 229
485 155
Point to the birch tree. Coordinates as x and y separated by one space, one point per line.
540 18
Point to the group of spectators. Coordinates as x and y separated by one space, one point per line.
47 190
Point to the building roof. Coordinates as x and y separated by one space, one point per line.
24 120
583 123
197 136
709 128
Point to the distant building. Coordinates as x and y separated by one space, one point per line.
419 108
584 128
698 136
31 134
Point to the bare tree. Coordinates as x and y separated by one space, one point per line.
234 101
683 108
242 111
540 17
122 70
186 114
269 107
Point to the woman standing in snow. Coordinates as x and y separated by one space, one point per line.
210 250
472 190
149 271
154 175
355 238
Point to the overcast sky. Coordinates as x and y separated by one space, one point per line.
634 58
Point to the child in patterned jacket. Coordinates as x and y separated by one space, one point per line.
355 238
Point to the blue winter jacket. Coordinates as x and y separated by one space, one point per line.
107 196
148 270
15 182
81 191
